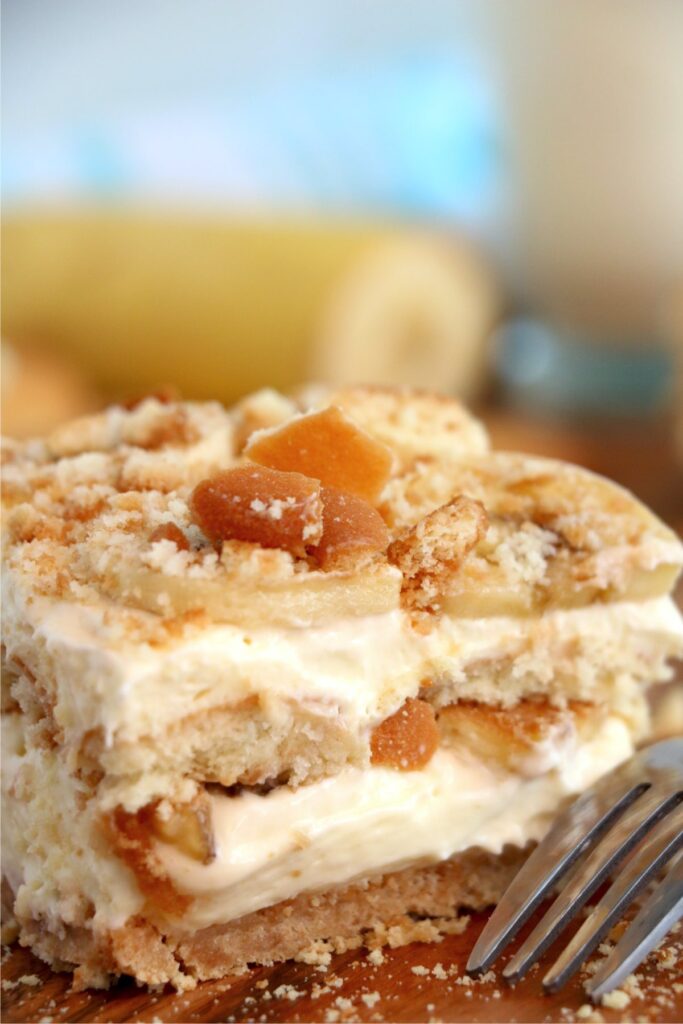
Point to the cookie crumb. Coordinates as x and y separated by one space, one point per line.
616 1000
370 998
288 992
588 1013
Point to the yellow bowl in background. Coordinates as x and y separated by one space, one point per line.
220 307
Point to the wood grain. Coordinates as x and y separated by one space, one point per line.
403 994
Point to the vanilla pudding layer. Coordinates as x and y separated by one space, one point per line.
55 855
230 705
269 848
370 821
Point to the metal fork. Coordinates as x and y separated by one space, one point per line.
636 809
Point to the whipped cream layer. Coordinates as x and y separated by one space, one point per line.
55 855
360 670
364 822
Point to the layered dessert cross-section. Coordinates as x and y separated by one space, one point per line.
305 674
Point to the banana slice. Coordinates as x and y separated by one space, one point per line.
486 592
309 599
558 536
518 738
418 312
188 827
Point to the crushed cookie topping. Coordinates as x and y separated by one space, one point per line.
431 553
329 447
165 394
106 506
169 531
172 430
152 426
261 410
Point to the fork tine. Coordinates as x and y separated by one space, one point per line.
660 846
628 831
576 830
648 927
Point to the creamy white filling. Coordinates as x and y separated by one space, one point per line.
55 854
360 670
364 822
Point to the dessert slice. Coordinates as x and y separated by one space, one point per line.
302 675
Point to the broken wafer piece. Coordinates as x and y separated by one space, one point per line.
431 553
353 531
408 739
264 506
329 447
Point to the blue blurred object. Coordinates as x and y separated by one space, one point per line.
414 135
559 371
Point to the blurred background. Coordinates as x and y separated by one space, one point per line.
479 196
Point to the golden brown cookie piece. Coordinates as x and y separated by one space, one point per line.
353 531
430 554
408 739
263 506
329 447
412 423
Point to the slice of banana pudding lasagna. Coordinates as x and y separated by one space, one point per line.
301 675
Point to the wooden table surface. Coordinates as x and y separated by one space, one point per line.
415 983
